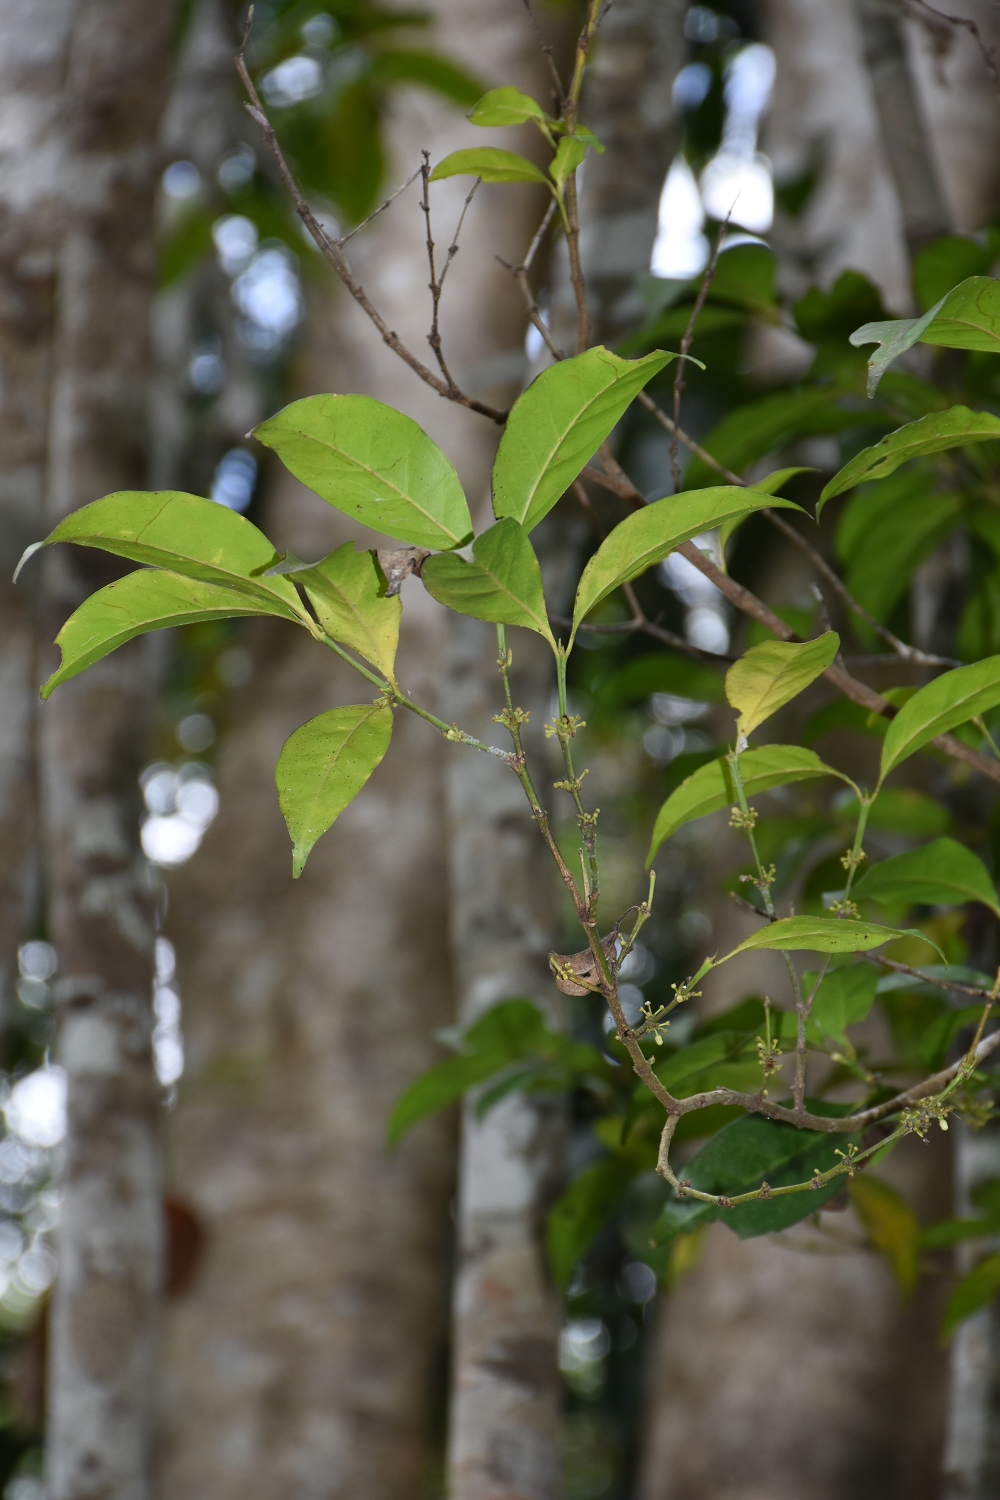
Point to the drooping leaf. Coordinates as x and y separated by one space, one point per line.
559 423
503 582
491 164
584 1208
825 935
935 433
768 486
770 675
145 600
323 766
506 106
750 1151
184 534
347 591
890 1224
569 155
944 873
967 318
710 788
844 997
951 699
374 464
975 1290
647 536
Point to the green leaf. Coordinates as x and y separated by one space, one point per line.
145 600
323 766
891 1225
825 935
559 423
748 1152
347 591
584 1208
507 1032
975 1290
657 672
947 261
967 318
944 873
506 106
648 535
491 165
503 582
953 1231
891 535
951 699
901 810
569 155
710 788
429 69
186 535
844 997
770 675
935 433
374 464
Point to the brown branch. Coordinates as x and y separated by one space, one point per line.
436 283
988 54
333 253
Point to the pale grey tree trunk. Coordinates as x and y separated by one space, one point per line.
81 106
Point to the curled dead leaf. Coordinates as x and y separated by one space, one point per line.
584 964
398 563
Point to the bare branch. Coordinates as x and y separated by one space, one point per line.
988 54
686 342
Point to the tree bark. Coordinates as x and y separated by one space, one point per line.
78 172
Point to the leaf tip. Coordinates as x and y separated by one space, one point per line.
26 556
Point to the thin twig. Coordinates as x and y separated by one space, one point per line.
988 53
376 211
335 257
437 282
686 342
559 93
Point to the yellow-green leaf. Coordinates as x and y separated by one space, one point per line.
503 583
491 164
770 675
323 766
951 699
347 591
826 935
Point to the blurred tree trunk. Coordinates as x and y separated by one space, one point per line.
308 1353
84 90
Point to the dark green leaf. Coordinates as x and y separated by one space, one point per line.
935 433
503 582
947 261
491 165
431 70
844 997
967 318
944 873
953 1231
647 536
374 464
901 810
186 535
710 788
770 675
892 535
323 766
659 672
975 1290
145 600
559 423
584 1208
438 1088
770 424
951 699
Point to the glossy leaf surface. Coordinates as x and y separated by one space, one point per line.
323 766
647 536
935 433
491 164
374 464
185 534
559 423
951 699
770 675
503 582
148 599
944 873
711 788
347 591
